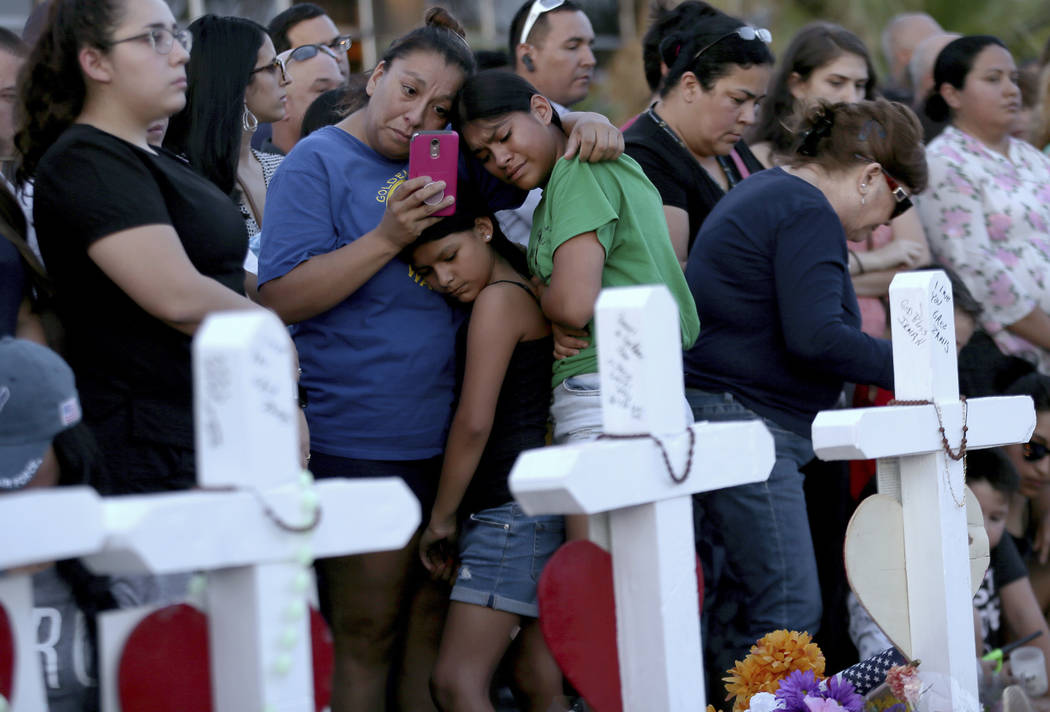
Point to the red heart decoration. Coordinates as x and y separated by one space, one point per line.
175 640
7 656
578 620
165 663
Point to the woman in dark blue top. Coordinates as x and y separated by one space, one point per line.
781 334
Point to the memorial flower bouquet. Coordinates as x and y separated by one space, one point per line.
785 671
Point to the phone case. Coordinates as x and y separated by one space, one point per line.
436 154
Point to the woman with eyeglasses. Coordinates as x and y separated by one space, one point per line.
781 334
825 61
139 246
988 213
689 143
235 82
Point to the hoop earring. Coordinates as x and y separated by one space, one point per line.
249 121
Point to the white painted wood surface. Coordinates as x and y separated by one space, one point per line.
40 526
930 485
256 595
652 543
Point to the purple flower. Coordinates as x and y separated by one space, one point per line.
795 687
841 690
819 704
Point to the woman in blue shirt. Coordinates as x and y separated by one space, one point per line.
781 334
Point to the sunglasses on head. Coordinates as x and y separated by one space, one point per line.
1033 451
744 32
538 8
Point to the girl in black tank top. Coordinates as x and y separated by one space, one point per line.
476 534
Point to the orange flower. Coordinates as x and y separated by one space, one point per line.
772 658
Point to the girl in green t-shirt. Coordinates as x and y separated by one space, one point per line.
598 225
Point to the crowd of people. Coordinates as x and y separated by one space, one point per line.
158 174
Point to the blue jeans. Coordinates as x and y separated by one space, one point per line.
754 542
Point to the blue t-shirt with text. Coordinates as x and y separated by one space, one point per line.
379 367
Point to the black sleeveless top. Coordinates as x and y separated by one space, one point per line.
520 421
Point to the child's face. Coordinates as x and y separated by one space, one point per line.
459 265
994 506
518 148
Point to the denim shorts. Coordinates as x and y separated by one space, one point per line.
502 552
576 409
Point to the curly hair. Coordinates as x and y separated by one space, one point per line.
52 88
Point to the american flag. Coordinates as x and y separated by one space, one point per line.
869 674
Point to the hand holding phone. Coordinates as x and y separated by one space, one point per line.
436 154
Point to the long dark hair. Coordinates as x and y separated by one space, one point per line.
815 46
209 128
724 51
953 64
52 90
492 93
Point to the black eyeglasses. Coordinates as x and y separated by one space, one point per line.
1033 451
162 39
277 65
342 43
745 32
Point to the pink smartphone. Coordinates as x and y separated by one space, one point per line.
436 154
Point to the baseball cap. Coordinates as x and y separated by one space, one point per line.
38 400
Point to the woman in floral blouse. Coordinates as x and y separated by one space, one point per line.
987 209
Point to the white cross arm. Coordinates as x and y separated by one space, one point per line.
210 530
601 476
49 525
870 433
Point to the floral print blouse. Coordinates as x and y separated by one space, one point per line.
987 216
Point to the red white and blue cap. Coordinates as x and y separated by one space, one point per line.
38 400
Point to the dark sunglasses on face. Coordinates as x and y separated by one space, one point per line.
305 52
899 194
1034 452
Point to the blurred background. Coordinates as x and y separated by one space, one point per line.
620 90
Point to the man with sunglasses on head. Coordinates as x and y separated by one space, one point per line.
313 70
307 24
551 46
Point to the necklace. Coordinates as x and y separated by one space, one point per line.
724 162
955 454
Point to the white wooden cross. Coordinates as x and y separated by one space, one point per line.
238 528
928 483
650 516
39 526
